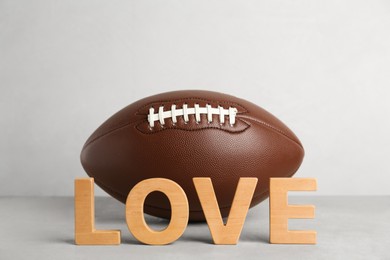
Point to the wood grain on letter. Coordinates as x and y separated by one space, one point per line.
84 208
230 233
135 211
281 211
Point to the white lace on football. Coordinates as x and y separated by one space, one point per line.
161 115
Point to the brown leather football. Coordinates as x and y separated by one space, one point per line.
184 134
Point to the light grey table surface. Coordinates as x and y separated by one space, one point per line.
347 227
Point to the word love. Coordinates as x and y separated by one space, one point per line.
229 233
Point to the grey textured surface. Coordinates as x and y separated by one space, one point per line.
348 228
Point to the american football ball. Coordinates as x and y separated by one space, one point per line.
192 133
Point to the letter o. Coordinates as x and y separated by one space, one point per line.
135 211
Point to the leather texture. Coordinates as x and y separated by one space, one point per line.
125 150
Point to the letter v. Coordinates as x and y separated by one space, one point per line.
225 234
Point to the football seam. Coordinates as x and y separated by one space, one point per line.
273 128
191 130
140 121
109 132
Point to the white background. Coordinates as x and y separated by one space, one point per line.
322 67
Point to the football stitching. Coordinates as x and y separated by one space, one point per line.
173 127
245 110
170 100
196 110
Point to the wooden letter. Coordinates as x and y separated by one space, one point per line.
84 209
225 234
280 211
135 211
